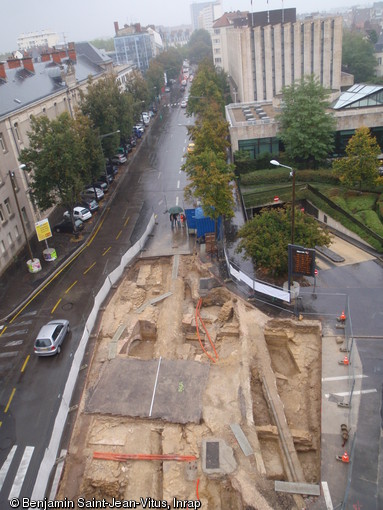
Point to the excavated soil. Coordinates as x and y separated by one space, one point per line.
265 376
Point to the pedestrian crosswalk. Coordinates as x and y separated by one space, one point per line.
12 337
9 466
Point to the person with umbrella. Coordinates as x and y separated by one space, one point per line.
174 214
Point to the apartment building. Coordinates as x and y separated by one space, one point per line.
133 44
41 39
264 51
49 86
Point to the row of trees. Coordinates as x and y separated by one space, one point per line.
210 176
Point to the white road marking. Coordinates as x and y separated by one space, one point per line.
10 354
57 476
21 472
346 393
14 343
178 184
5 467
327 497
176 200
342 377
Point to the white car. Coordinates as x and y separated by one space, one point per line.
184 104
89 192
79 213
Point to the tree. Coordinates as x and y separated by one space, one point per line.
265 238
360 166
56 156
307 128
210 131
109 110
358 56
205 89
210 181
200 47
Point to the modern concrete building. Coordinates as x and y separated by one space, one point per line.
264 51
42 39
133 45
254 127
208 14
198 17
47 87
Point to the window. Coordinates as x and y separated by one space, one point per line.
10 240
3 146
17 233
2 217
2 247
24 215
17 132
8 206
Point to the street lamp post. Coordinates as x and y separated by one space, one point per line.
292 174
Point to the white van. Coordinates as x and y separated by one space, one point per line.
145 118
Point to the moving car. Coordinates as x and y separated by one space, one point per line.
184 104
67 227
80 213
90 192
50 337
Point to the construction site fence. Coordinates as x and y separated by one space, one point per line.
51 452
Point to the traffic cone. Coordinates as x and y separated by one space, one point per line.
345 361
345 458
342 317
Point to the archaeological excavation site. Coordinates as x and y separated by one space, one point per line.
195 394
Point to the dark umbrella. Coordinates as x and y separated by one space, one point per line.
176 209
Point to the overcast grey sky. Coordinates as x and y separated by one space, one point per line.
80 20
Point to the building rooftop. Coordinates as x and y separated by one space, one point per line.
247 114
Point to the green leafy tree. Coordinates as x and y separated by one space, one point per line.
306 127
358 56
109 110
155 78
360 166
211 182
210 131
200 47
171 62
205 89
104 44
265 238
56 155
92 148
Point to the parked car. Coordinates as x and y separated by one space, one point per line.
132 141
89 203
119 159
67 227
80 213
50 337
111 169
145 118
167 89
191 147
104 186
95 193
105 177
184 104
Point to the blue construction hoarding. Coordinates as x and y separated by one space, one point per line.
200 223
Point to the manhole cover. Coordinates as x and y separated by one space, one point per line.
67 306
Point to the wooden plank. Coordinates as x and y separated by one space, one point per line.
308 489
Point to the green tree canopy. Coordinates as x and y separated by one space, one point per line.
210 181
360 166
358 56
210 131
265 238
307 128
57 157
205 89
200 47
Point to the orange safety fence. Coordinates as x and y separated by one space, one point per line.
198 316
122 457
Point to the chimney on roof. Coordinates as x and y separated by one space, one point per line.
56 57
116 29
13 63
137 26
3 76
28 64
45 57
72 53
62 54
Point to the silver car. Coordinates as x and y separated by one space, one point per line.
50 338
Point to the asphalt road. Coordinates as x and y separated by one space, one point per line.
153 183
